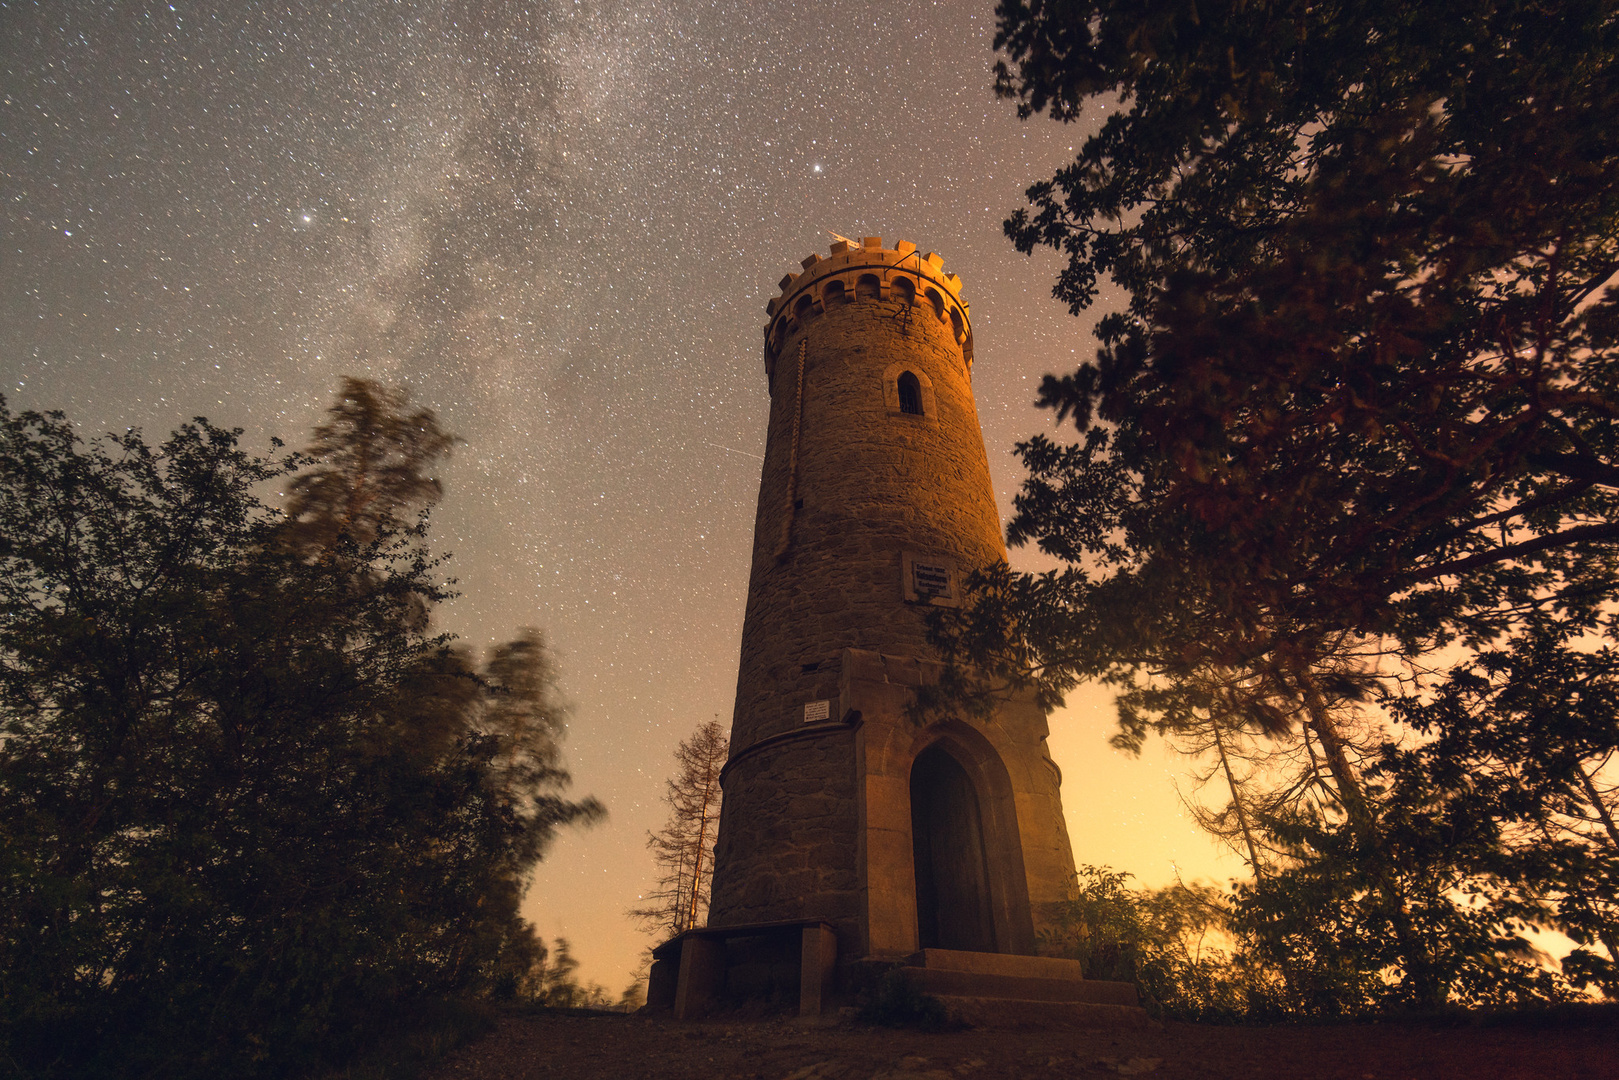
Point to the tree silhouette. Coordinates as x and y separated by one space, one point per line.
1358 407
251 807
369 468
683 850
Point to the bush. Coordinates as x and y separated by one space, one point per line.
1168 942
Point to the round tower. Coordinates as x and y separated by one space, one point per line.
875 503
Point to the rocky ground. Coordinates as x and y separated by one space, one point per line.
576 1046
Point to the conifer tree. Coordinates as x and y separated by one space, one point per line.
683 850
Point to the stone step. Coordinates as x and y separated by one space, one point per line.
998 1012
941 982
1043 967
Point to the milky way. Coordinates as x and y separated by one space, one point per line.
559 223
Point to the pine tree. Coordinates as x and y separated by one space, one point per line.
683 849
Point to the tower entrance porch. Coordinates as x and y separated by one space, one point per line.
960 838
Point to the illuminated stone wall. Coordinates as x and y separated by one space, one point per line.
867 514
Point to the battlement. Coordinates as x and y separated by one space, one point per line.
868 271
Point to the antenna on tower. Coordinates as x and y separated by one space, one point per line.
845 239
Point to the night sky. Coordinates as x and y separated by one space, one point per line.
559 223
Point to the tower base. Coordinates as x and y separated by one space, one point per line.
706 970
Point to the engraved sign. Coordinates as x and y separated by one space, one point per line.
930 579
817 710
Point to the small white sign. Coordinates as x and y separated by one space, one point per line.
929 579
817 710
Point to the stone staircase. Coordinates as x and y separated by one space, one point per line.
1001 990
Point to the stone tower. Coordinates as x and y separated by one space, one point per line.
875 503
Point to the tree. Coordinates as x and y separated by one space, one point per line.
367 469
683 849
1521 737
559 986
1367 350
633 997
1360 400
251 808
1263 770
550 976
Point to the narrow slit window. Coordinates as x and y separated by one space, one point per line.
910 394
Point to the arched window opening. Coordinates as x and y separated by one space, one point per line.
868 287
833 294
958 326
938 303
910 394
803 308
947 848
902 291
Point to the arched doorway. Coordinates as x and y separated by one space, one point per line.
947 845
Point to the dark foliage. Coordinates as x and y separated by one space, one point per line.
1516 765
1358 407
367 468
896 1002
249 807
1175 944
1365 376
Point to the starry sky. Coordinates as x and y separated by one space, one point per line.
559 223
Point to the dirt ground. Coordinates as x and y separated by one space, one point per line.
586 1047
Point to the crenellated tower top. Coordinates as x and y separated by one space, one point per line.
868 272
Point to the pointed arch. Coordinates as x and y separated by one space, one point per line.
1010 915
924 406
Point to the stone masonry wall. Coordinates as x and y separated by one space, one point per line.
872 483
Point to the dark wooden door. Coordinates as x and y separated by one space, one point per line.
947 837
